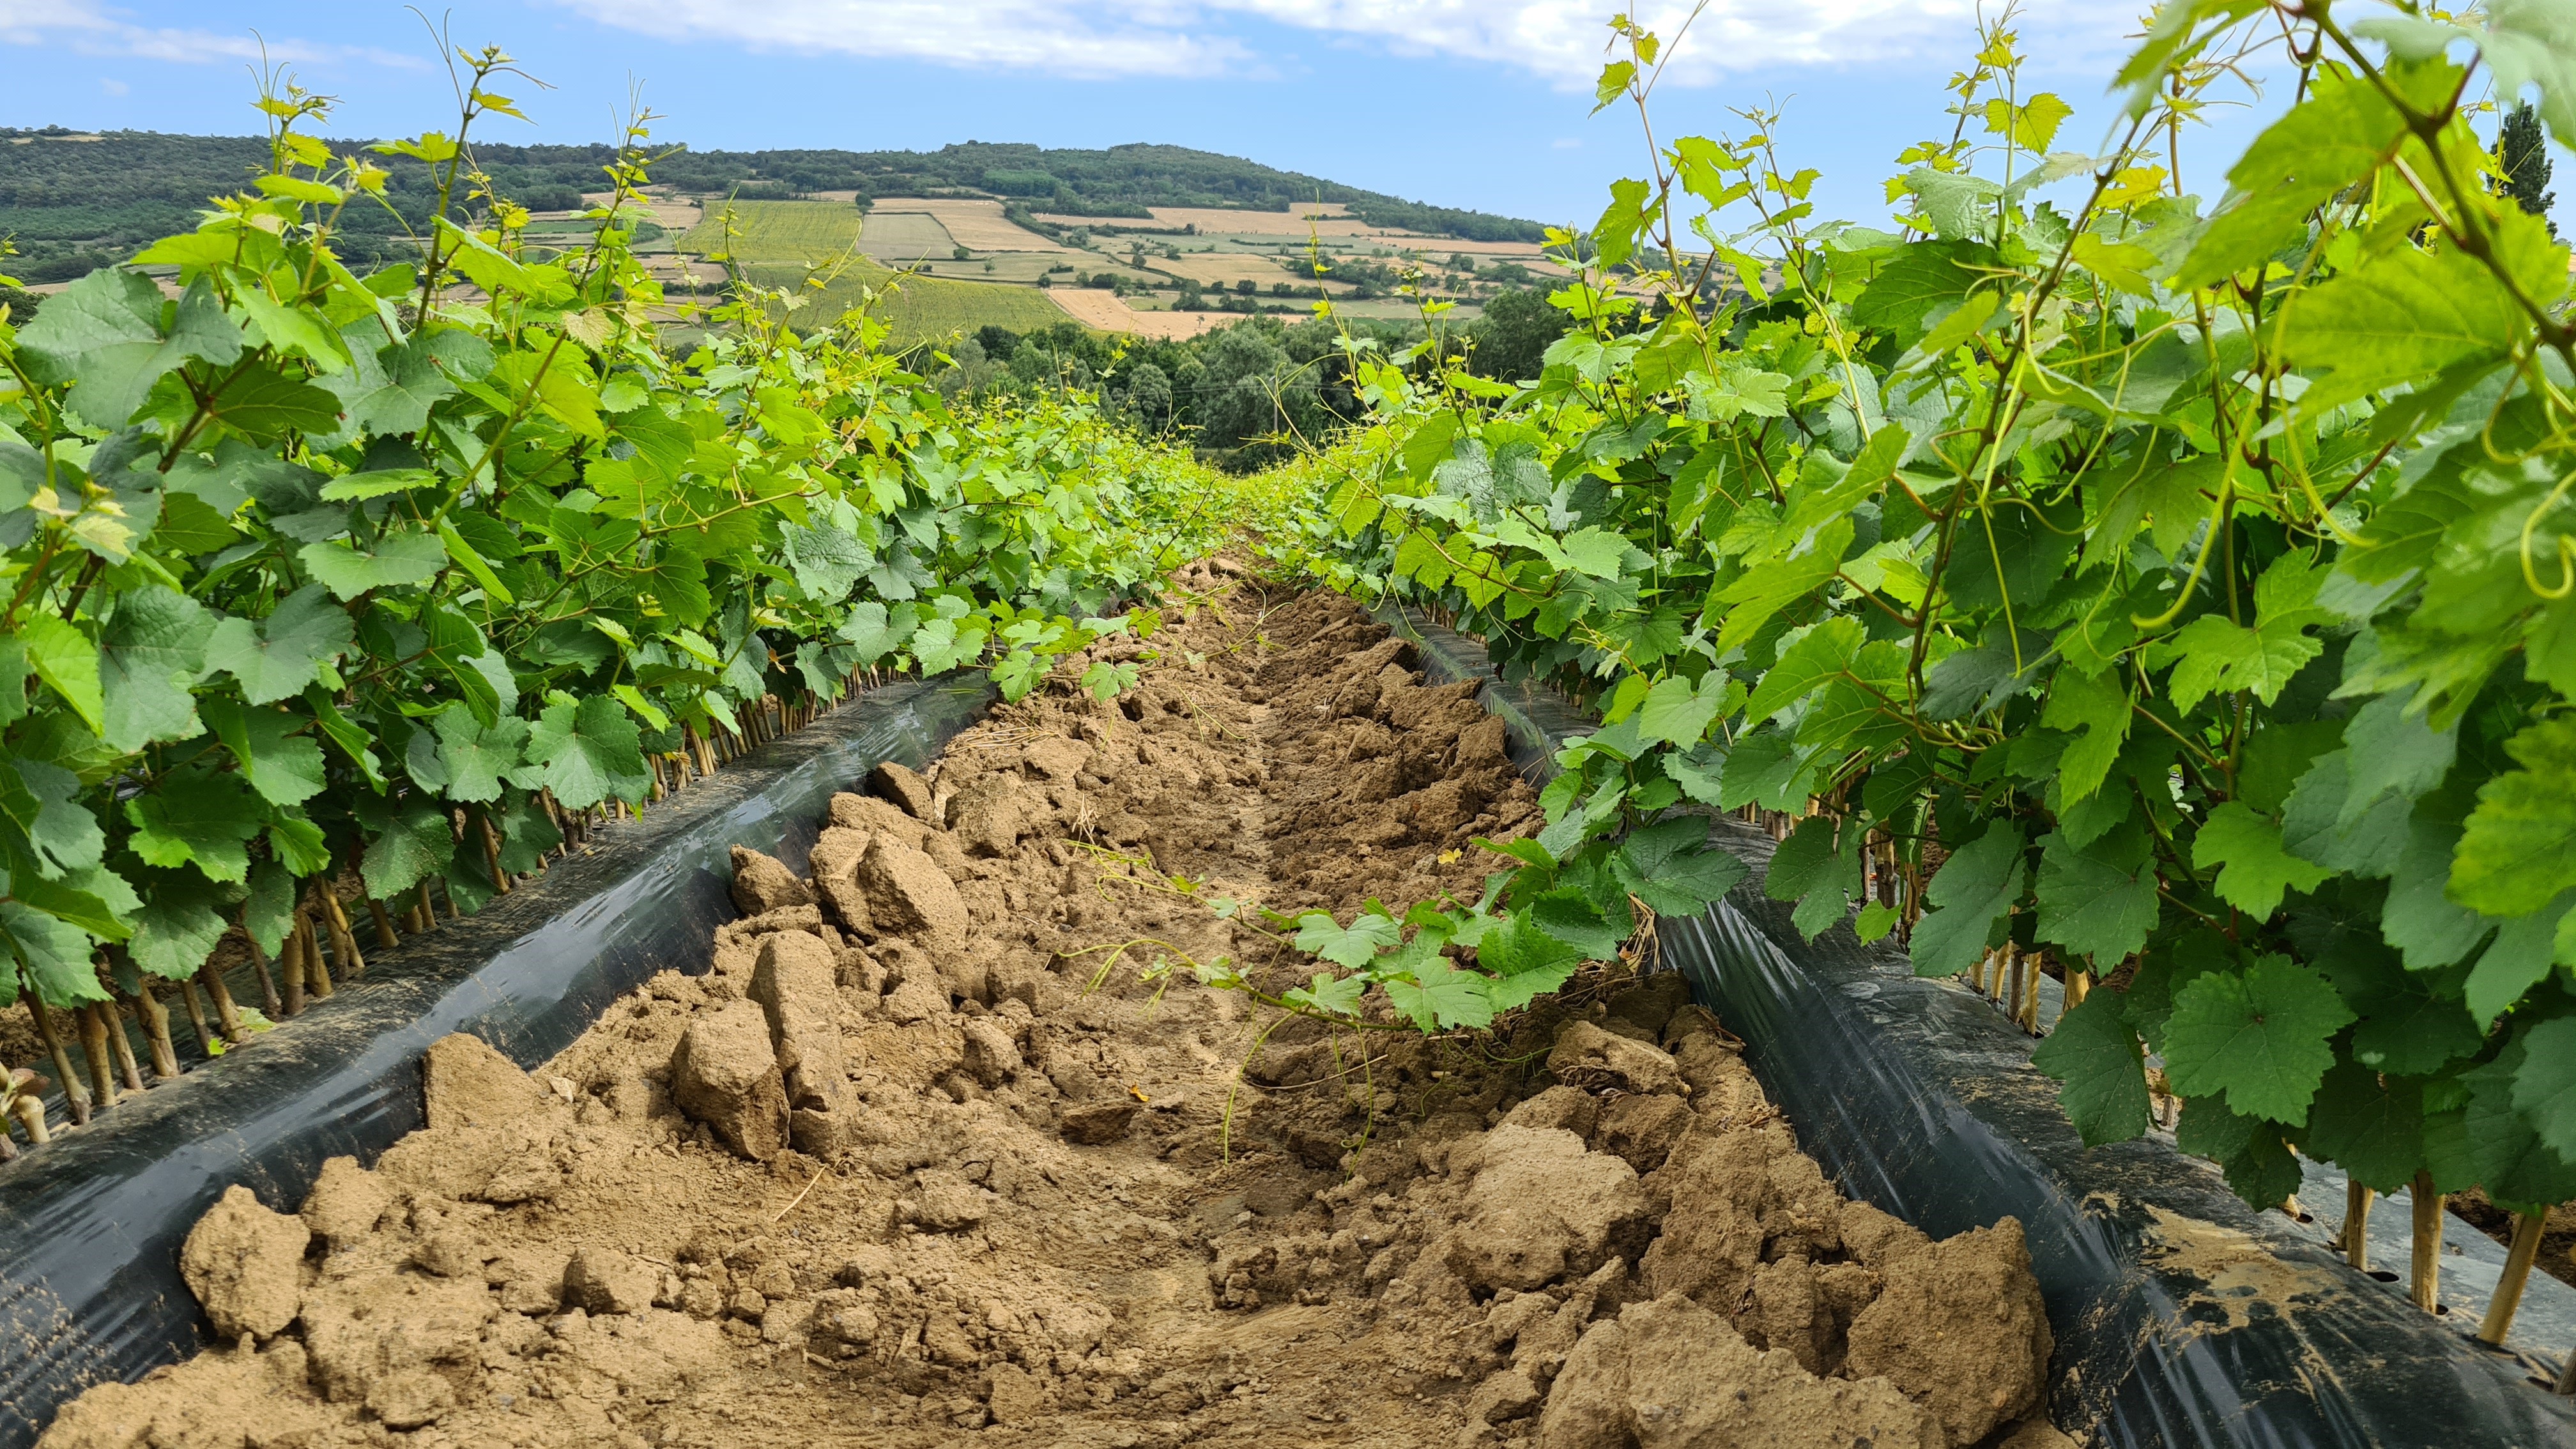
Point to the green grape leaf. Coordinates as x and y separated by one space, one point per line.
2260 1168
64 658
266 405
1443 997
2544 1086
196 815
476 756
1353 946
1332 995
2395 751
2097 705
277 657
2260 1036
270 911
43 801
2518 850
149 657
103 334
415 844
1820 655
2095 1054
2314 825
2409 312
397 559
1574 918
177 928
389 391
1105 681
1679 882
1817 871
1679 714
1018 672
280 761
1767 768
586 753
2373 1128
2219 657
2533 43
2254 872
2099 901
2335 137
828 560
57 953
1519 949
2518 959
2419 919
2520 1171
1974 888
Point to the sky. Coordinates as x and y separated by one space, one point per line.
1474 103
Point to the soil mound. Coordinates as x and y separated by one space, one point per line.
923 1161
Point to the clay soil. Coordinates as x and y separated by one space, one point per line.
925 1160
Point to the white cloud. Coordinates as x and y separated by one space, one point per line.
92 29
1560 41
1078 38
114 87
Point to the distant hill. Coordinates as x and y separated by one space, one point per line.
76 201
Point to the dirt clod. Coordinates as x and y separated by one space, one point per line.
245 1265
725 1075
1672 1375
763 883
1961 1326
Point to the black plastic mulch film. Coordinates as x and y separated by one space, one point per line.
90 1226
2182 1317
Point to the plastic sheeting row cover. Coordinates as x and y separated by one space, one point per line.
90 1227
2182 1318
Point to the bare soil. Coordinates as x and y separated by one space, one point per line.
896 1172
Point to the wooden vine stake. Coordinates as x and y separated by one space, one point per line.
317 972
2356 1225
122 1046
268 1000
196 1015
155 1018
2517 1273
102 1075
290 964
75 1099
227 1014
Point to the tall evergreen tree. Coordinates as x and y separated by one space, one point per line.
2522 154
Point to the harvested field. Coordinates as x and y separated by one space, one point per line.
976 224
1110 313
895 1173
900 238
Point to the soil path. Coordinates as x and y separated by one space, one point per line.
898 1173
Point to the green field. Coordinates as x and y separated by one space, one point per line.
915 308
900 238
806 233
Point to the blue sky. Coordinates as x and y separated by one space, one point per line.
1478 103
